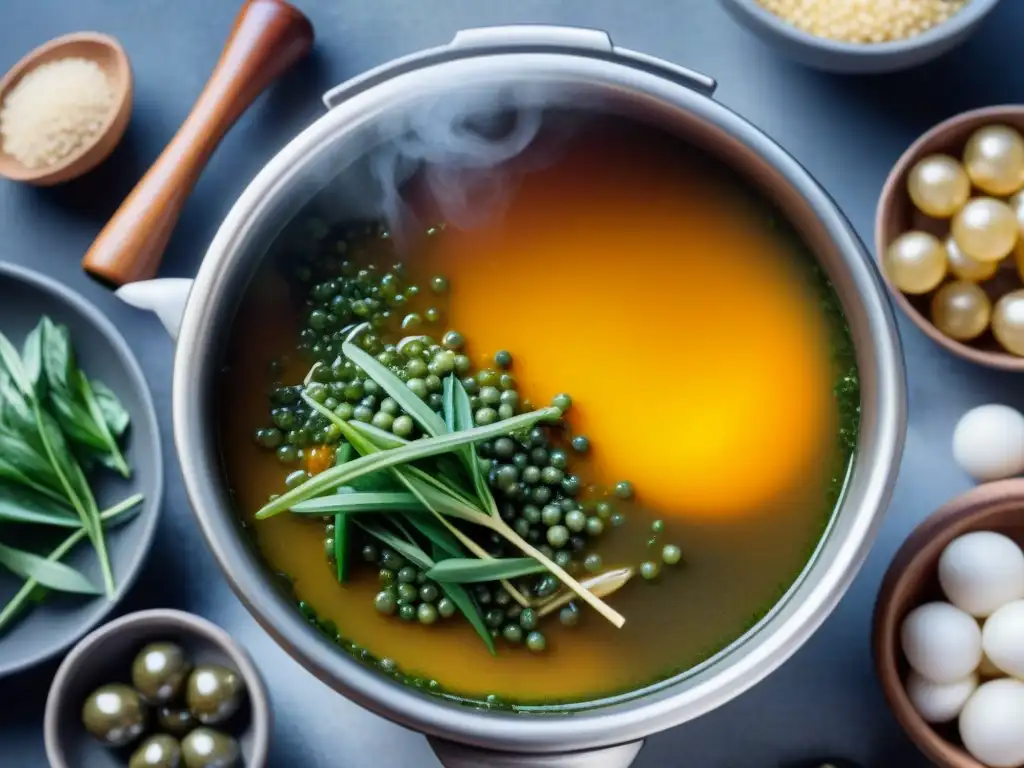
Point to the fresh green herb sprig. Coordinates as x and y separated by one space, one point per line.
54 424
442 495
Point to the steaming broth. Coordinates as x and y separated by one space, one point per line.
702 350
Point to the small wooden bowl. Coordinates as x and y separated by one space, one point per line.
912 579
111 58
896 214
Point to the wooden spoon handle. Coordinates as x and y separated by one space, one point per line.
268 37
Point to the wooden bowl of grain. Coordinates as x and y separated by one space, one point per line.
896 214
63 108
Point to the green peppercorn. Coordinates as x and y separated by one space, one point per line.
385 602
504 447
592 562
649 569
521 527
453 340
658 526
624 489
551 476
382 420
562 402
386 577
505 412
296 478
562 558
407 612
269 437
604 509
417 386
595 526
571 485
531 475
558 458
429 593
485 416
528 619
546 587
558 535
494 618
445 607
363 413
570 615
426 613
391 559
416 368
671 554
541 494
402 426
535 642
540 456
512 633
406 592
288 454
439 284
580 444
487 377
575 520
531 513
551 514
489 395
432 315
510 398
412 321
344 411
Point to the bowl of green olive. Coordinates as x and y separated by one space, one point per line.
157 689
949 235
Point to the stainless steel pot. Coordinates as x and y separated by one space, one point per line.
577 65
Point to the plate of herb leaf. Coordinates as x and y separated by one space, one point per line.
81 471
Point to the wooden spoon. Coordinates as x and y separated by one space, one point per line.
268 37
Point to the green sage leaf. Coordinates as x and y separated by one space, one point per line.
49 573
471 570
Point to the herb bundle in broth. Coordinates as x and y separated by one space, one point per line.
444 509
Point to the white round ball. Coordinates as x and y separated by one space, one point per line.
982 571
988 442
992 723
939 702
1002 638
941 642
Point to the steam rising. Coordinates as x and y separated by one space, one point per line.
461 149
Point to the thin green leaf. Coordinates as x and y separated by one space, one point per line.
470 570
601 585
75 420
32 357
463 415
49 573
410 552
114 413
469 609
414 451
448 402
99 420
58 357
11 361
439 536
381 439
20 505
375 482
31 589
396 388
355 502
341 546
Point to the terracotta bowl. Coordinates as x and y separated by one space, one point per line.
912 579
111 58
896 214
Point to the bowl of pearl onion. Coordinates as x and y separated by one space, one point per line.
949 235
948 632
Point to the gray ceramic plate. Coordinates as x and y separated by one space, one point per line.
53 626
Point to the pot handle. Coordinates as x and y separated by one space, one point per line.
454 755
523 38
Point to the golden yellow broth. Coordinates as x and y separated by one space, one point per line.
647 283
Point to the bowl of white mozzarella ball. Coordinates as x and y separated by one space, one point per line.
949 630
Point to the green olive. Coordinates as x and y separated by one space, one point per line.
114 714
159 751
159 672
174 721
214 693
207 748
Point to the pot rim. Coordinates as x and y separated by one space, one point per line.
762 652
